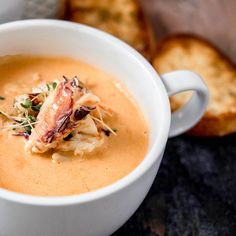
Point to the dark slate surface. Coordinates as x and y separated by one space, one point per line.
194 193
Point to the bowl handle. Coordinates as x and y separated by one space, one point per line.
187 116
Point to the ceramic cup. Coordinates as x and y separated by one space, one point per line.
103 211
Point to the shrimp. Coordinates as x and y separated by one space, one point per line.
60 115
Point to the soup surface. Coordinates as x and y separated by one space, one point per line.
37 174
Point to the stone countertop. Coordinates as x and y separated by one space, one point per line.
194 191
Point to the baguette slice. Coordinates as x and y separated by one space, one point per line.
122 18
192 53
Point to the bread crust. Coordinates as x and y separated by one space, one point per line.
220 117
141 38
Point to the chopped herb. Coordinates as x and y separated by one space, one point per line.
54 85
115 130
26 126
37 107
28 129
106 132
68 137
48 87
31 118
27 103
2 98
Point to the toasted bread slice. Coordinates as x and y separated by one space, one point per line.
122 18
219 73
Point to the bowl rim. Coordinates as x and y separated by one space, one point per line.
156 150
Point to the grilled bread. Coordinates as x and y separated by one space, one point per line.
219 73
122 18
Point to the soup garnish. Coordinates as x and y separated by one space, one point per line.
61 116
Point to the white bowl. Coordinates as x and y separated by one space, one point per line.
99 212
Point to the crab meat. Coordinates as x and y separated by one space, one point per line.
81 144
60 114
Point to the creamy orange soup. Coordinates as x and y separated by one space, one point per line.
36 174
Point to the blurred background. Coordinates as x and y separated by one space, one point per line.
195 190
212 19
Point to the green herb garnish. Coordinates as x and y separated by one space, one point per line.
31 118
26 126
27 103
2 98
54 85
48 87
28 129
36 107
